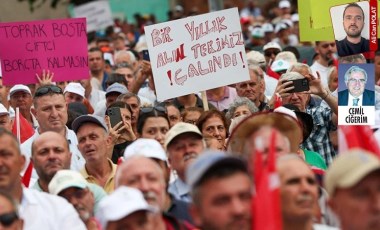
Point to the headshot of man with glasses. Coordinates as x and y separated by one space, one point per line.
356 93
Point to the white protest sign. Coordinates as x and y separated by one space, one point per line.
97 13
197 53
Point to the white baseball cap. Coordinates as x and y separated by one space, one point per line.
284 4
74 87
18 88
3 110
257 32
255 58
121 203
64 179
180 128
280 65
272 45
145 147
267 27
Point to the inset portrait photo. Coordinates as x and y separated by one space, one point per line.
356 85
351 26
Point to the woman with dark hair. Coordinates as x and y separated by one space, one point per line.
122 133
213 123
153 123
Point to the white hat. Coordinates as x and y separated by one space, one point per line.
178 129
280 65
121 203
64 179
74 87
267 27
280 26
257 32
295 17
146 147
272 45
255 58
3 110
18 88
284 4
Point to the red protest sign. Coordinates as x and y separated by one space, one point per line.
26 48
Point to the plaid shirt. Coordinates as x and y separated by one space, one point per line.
319 139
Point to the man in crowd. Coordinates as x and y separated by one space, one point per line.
325 51
91 94
56 212
50 110
221 190
75 189
356 94
96 64
93 142
183 143
353 182
21 97
74 92
353 24
9 208
5 120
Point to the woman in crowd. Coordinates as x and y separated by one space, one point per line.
213 123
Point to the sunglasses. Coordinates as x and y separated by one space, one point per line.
151 109
269 53
43 90
8 219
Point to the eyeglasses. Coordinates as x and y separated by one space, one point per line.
269 53
43 90
356 81
8 219
150 109
122 65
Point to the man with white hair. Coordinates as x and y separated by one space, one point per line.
125 56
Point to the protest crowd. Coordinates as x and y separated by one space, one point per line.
104 153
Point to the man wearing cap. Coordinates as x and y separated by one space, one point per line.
271 50
353 182
152 149
96 64
112 92
74 92
325 51
353 24
38 210
221 189
5 120
82 195
50 110
183 143
252 89
21 97
126 208
93 142
299 194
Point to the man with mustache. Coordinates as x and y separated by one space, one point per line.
353 23
298 192
183 143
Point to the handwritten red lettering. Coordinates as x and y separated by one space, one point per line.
161 36
203 28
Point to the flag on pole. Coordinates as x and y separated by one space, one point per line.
357 136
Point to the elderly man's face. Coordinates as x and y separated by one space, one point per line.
356 83
82 200
145 175
93 142
299 99
21 99
6 122
353 22
358 207
298 189
250 89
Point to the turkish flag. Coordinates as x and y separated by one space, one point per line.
357 136
266 204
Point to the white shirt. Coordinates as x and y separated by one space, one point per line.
41 210
323 71
270 85
351 100
96 96
77 160
147 95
